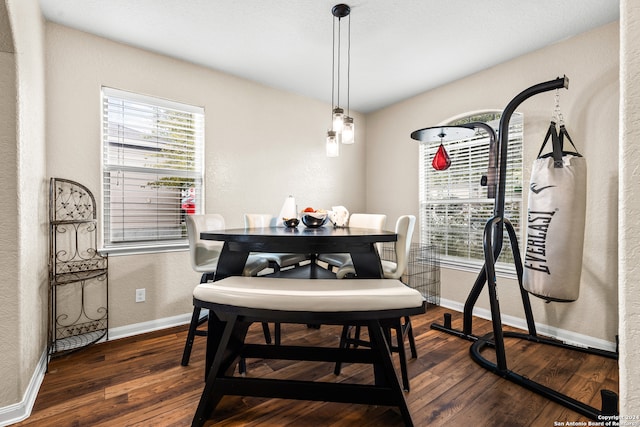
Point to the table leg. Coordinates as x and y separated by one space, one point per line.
230 263
367 264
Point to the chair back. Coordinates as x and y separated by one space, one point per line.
404 229
372 221
257 220
204 253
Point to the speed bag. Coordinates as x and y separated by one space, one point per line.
555 222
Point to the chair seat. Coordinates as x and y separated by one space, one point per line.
388 268
337 259
254 265
204 258
284 259
316 295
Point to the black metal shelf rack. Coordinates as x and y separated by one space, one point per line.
78 274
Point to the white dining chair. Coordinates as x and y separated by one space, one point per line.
277 260
392 270
356 220
203 255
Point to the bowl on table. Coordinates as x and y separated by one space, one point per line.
314 219
291 222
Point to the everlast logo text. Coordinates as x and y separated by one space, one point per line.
536 256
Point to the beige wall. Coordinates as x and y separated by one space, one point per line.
23 248
590 108
8 216
629 247
262 144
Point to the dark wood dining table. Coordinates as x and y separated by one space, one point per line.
359 242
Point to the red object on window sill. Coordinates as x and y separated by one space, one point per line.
189 208
441 161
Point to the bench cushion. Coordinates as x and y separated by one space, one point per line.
318 295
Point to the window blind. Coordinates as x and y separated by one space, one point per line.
454 207
152 168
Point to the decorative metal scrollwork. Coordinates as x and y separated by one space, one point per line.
78 288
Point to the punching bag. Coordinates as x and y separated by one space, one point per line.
555 221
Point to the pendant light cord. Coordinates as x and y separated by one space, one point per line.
338 61
333 68
348 64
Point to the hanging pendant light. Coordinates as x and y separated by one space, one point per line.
348 131
338 119
341 124
333 148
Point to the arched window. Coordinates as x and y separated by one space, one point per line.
454 206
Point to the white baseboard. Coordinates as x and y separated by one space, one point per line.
20 411
150 326
569 337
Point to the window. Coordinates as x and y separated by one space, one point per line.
152 170
454 207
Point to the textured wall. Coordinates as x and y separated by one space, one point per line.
23 248
8 218
629 207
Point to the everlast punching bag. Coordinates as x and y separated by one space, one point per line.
555 221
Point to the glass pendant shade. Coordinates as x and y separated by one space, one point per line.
332 144
338 119
441 161
348 131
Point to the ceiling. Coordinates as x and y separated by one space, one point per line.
399 48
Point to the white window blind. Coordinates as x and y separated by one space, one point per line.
454 207
152 169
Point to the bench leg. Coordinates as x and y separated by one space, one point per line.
222 333
401 353
217 330
386 373
401 329
344 343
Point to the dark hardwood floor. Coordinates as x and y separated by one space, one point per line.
138 381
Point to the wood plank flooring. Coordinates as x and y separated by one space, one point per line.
138 381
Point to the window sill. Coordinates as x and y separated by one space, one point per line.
144 249
506 271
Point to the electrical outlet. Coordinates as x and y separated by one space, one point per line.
140 295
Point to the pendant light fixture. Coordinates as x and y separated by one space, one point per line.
342 126
333 147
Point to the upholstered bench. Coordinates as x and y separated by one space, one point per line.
236 302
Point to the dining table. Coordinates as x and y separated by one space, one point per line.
360 243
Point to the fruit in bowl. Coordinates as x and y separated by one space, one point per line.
314 218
